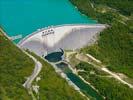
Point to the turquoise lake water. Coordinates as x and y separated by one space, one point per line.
26 16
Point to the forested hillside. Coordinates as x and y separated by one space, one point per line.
115 45
14 67
123 6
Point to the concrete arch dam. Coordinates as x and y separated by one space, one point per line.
67 37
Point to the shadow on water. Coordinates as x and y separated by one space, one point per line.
85 88
54 57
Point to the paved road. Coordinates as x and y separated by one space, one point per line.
36 71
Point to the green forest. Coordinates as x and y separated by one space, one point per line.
14 67
115 44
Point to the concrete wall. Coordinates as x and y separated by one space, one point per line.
65 37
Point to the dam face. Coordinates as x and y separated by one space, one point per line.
67 37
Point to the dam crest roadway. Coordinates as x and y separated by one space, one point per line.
67 37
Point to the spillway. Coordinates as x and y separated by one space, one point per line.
67 37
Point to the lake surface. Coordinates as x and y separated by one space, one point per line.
85 88
26 16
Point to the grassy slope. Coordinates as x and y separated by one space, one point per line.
53 87
14 67
115 44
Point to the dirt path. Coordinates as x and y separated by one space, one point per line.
103 68
116 77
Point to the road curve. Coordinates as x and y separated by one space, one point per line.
37 68
36 71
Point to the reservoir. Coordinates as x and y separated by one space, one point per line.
22 17
26 16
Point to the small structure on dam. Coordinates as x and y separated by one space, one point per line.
67 37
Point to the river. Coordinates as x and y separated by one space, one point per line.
84 87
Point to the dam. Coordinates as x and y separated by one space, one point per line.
50 43
67 37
